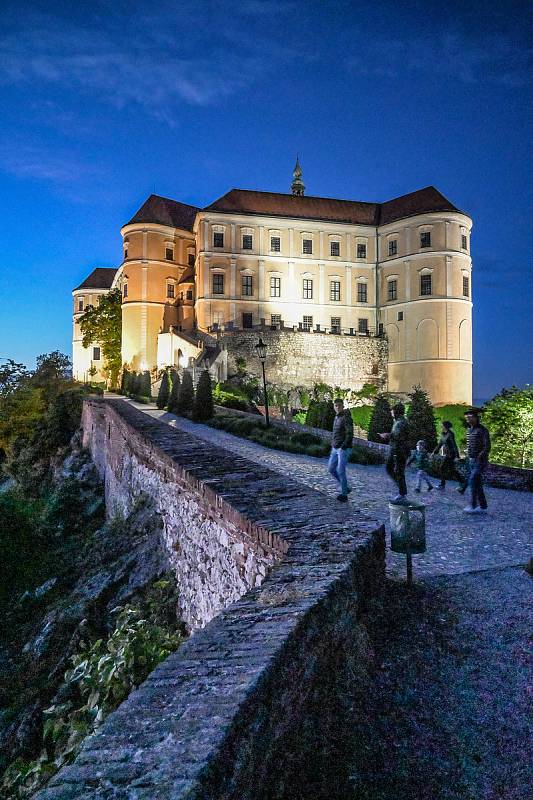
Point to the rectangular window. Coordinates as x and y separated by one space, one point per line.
218 239
170 290
393 247
125 253
335 248
275 287
335 291
335 324
425 239
80 304
190 259
400 316
425 284
169 254
189 294
307 247
392 290
96 354
275 244
247 286
464 243
362 325
308 289
247 242
362 293
218 283
307 323
275 320
466 286
361 251
125 290
247 320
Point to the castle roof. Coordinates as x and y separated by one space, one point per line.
100 278
164 211
276 204
188 276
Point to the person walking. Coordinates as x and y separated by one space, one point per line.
341 447
478 458
449 450
420 458
399 450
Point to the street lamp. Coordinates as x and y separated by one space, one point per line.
261 350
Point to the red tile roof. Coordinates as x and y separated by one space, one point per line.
275 204
166 212
100 278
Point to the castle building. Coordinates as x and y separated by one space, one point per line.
341 289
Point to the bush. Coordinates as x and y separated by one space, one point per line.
361 416
455 415
185 394
320 414
124 381
174 392
380 420
203 407
421 419
306 439
164 391
145 384
509 418
364 455
230 396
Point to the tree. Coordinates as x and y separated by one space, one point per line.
509 418
164 391
186 394
103 324
174 392
203 407
421 419
124 381
320 414
145 384
381 419
12 376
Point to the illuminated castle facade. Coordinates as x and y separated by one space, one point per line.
194 278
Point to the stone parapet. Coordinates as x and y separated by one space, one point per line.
250 706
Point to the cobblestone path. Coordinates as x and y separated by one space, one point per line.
456 542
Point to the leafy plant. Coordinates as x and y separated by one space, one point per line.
320 414
381 419
174 392
164 391
203 407
103 324
509 418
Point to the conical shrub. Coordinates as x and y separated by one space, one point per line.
124 381
174 392
203 407
381 419
185 394
421 419
145 384
164 391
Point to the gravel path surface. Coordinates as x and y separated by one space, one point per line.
456 542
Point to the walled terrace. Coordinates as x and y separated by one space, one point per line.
274 586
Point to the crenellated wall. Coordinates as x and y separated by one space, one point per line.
255 704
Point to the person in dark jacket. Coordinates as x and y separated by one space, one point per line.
341 448
449 450
399 451
478 458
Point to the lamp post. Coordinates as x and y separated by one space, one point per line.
261 350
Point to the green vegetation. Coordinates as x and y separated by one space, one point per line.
361 416
203 407
231 396
103 674
174 392
421 419
509 418
138 386
185 394
320 414
164 391
103 324
455 415
381 419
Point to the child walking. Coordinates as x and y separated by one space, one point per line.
421 460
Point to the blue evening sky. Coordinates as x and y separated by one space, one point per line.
103 103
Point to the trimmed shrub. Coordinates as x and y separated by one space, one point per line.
185 394
203 407
320 414
145 384
124 381
164 391
174 392
364 455
361 416
306 439
381 419
421 419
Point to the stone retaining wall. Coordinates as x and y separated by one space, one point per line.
251 706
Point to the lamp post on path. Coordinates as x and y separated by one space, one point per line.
261 350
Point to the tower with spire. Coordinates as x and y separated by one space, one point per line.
297 185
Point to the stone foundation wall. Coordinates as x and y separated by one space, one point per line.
252 705
297 358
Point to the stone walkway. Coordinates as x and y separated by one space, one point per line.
456 542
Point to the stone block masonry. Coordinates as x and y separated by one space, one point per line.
251 706
299 358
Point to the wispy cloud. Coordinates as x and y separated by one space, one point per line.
40 164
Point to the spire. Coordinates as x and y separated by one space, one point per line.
297 185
